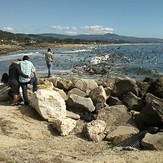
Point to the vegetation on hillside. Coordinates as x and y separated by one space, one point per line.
34 39
10 42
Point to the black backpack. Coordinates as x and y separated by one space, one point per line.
4 78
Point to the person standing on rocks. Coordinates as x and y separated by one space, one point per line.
13 80
27 68
49 60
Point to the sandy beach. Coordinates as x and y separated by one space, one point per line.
25 137
6 49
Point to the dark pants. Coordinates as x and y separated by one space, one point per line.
33 82
49 66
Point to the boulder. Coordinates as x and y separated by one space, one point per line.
115 115
54 80
76 91
156 88
108 91
132 102
44 84
84 84
95 130
98 95
150 97
49 104
61 92
122 86
111 101
153 141
72 115
65 84
121 133
64 125
143 88
83 103
151 115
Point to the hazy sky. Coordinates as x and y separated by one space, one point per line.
139 18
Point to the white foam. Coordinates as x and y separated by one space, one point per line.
99 59
76 51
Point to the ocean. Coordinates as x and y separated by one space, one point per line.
101 62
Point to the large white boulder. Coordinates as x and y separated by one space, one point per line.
49 104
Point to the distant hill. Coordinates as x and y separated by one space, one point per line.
108 38
28 39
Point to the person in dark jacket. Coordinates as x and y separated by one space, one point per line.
13 80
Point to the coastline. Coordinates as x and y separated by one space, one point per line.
6 49
111 70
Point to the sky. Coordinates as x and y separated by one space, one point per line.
138 18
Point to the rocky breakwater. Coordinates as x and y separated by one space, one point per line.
115 110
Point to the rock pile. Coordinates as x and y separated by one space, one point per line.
114 110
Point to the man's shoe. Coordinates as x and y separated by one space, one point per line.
26 103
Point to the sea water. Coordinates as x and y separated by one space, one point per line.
135 61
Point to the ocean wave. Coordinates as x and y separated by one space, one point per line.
75 51
99 59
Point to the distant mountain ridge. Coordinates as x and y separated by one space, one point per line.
104 38
26 39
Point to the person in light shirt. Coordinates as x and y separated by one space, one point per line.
27 68
49 61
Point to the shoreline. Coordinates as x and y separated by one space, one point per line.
6 49
134 73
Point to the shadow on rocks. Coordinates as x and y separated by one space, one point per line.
53 131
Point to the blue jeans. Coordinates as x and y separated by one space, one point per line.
33 82
49 66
